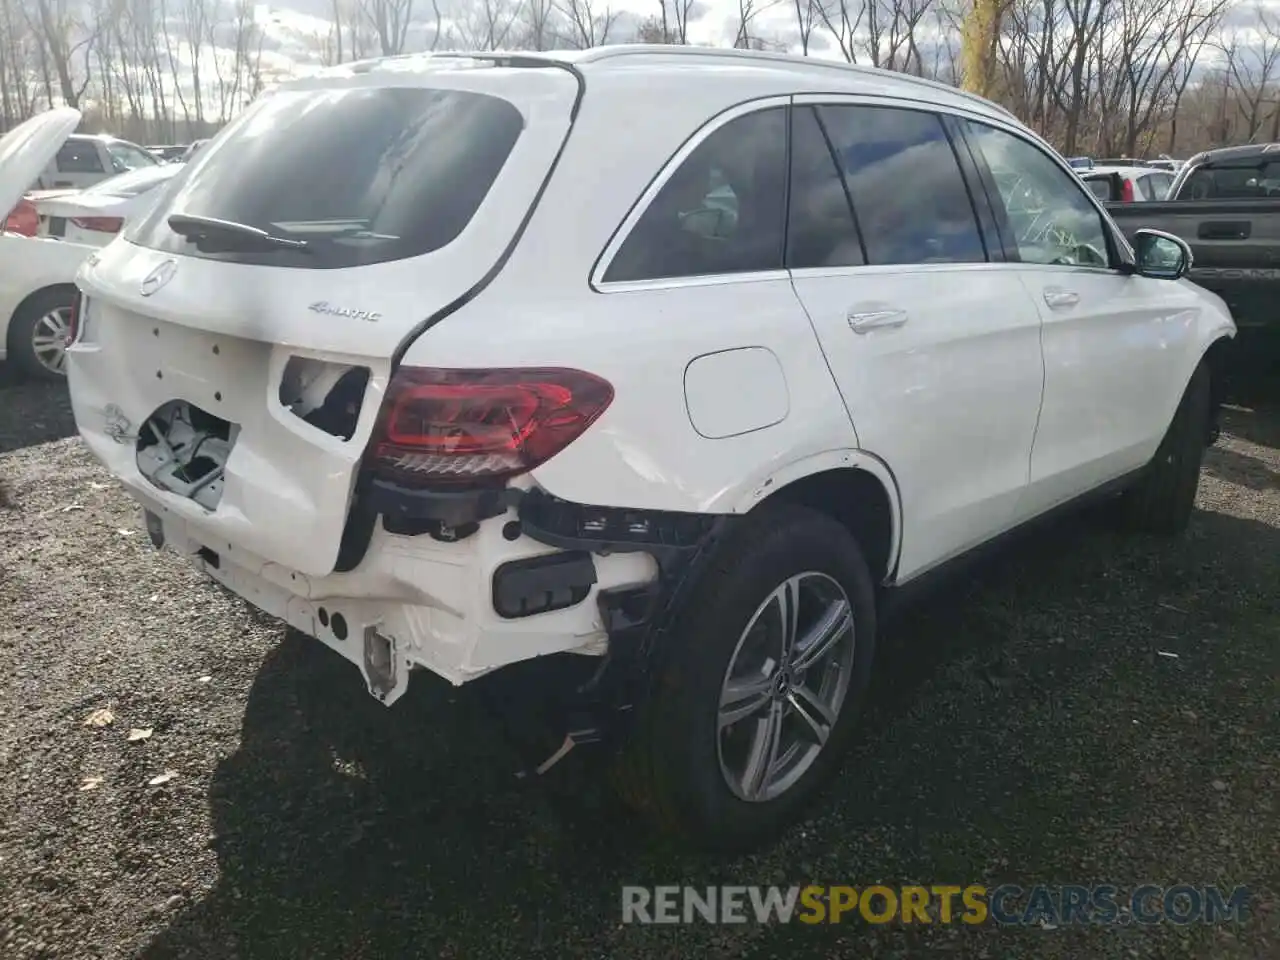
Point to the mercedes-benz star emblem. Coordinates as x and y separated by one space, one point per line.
158 277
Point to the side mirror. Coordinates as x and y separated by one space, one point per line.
1160 255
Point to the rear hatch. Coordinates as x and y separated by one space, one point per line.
289 263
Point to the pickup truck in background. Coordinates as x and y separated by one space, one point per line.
1226 204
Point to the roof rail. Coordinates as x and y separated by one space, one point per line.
733 53
572 58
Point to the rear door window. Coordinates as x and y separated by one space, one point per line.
362 175
723 210
908 193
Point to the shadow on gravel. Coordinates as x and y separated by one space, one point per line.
1003 738
1242 469
32 412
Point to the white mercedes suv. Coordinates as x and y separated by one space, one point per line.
672 364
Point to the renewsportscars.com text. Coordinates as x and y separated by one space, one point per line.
1006 904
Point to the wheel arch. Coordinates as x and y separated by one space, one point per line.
853 487
1217 357
25 302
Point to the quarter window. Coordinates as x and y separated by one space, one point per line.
1052 219
723 211
908 193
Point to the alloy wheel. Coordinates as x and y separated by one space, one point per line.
49 340
785 685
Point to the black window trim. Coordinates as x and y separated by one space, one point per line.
992 220
989 211
792 113
991 252
1118 250
642 203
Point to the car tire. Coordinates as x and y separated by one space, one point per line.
676 767
1163 499
34 318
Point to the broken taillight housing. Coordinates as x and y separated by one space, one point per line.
459 427
99 224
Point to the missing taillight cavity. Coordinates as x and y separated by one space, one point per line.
23 219
75 318
463 427
329 396
99 224
184 450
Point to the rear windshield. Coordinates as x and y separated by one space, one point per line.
1238 181
361 175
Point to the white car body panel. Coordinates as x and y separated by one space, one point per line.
726 389
972 374
1138 338
29 265
26 149
84 205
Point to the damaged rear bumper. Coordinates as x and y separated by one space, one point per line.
459 609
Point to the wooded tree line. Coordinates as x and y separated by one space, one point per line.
1105 77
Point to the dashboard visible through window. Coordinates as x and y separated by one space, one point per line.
1052 219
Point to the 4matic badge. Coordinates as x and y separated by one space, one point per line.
323 306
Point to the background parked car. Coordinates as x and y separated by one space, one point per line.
37 274
169 153
1131 184
95 215
87 158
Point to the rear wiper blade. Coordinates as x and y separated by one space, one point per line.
228 233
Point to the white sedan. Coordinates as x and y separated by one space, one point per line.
37 274
95 215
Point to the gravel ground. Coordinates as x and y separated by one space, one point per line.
1024 728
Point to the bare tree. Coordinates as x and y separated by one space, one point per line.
542 24
66 47
389 21
744 36
1253 66
806 12
674 17
490 24
588 23
843 20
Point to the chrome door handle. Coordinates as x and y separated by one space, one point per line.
862 322
1059 299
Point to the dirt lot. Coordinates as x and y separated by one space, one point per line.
1025 728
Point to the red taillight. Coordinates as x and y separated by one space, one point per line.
23 220
99 224
1126 191
73 319
451 427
